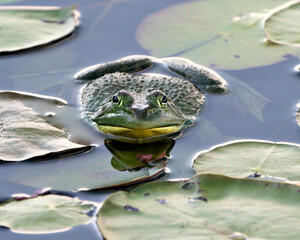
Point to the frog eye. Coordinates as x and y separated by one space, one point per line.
117 102
162 101
115 99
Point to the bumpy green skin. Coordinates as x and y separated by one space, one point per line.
141 106
184 95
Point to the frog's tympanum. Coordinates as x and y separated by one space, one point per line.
143 108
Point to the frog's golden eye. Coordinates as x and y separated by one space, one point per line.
117 101
162 101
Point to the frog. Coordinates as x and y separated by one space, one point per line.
130 106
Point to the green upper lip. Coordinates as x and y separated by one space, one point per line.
140 124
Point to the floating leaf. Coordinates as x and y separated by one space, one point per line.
44 214
282 25
27 27
205 207
244 158
213 33
24 134
97 170
7 1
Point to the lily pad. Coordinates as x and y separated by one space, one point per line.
44 214
7 1
98 170
282 25
244 158
24 134
205 207
213 33
27 27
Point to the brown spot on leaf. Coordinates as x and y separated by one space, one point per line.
130 208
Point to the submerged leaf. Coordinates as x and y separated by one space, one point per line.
245 158
27 27
44 214
204 207
213 33
282 25
24 134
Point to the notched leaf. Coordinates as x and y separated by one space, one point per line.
254 159
282 24
24 134
229 208
29 27
44 214
214 33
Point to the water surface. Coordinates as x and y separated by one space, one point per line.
107 32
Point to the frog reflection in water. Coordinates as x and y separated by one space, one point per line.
143 108
133 157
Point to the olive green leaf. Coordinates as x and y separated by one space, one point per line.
98 170
7 1
244 158
226 34
27 27
204 207
24 134
44 214
282 25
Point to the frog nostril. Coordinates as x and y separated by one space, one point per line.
151 111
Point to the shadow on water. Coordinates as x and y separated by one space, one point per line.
104 37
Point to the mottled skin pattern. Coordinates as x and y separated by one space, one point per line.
147 107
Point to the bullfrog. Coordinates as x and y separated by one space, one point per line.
134 107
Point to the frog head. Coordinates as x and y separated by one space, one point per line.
140 118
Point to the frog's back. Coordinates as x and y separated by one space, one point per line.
187 97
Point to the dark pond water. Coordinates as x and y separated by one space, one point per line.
107 32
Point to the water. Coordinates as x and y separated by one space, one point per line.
107 32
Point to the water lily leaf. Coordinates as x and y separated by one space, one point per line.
244 158
98 170
24 134
7 1
44 214
27 27
205 207
213 33
282 25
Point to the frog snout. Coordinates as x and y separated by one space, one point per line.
140 111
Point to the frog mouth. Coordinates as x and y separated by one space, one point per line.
130 133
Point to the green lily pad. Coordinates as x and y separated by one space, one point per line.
7 1
44 214
282 26
27 27
244 158
205 207
24 134
98 170
213 33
